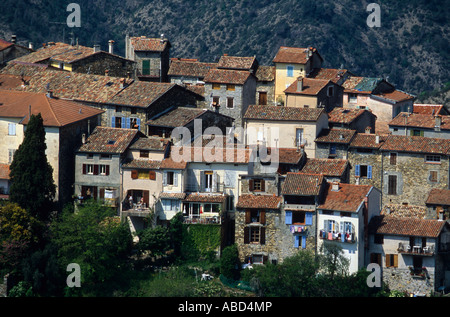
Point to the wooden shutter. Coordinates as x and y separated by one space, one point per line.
95 169
296 241
262 233
263 186
128 123
246 235
250 185
395 260
357 170
247 216
84 169
113 122
308 218
107 169
303 242
146 196
101 193
262 217
288 217
152 175
369 172
388 260
134 174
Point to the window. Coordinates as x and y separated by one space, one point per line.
299 137
117 122
391 260
170 204
352 98
89 169
290 71
255 234
433 176
378 239
330 91
256 185
11 129
169 178
332 149
417 132
103 156
231 87
143 175
216 102
216 86
89 156
208 181
11 155
432 159
104 170
392 185
143 153
133 110
230 103
118 109
393 159
375 258
363 171
262 98
145 67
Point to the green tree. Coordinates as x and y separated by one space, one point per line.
229 262
333 261
176 233
32 185
156 240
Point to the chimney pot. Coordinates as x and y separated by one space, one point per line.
111 46
96 48
335 186
30 45
13 39
300 84
377 139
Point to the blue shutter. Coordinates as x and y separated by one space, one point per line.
123 123
357 170
138 121
369 171
288 218
128 123
303 242
290 71
113 122
296 241
308 218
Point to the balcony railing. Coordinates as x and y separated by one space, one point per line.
202 220
299 207
415 249
346 237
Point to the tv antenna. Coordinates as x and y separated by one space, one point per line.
64 29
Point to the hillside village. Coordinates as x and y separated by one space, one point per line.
303 154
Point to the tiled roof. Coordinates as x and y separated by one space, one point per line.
365 85
170 163
257 112
4 44
407 226
178 117
4 171
142 43
109 140
190 68
348 198
172 195
367 140
55 112
24 69
344 115
295 55
45 53
439 197
289 156
227 76
327 167
265 73
236 62
259 201
428 108
416 144
142 164
11 81
206 198
395 95
328 73
342 136
150 144
302 184
404 211
311 86
211 154
427 121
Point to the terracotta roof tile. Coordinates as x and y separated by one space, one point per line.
257 112
189 68
178 117
265 73
55 112
289 156
348 198
344 115
416 144
310 86
417 120
142 164
406 226
205 198
328 73
302 184
141 94
150 144
236 62
45 53
395 95
342 136
172 195
404 211
428 109
295 55
227 76
4 171
4 44
109 140
439 197
143 43
259 201
210 154
327 167
170 163
361 85
367 140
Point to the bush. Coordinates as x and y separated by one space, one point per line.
229 262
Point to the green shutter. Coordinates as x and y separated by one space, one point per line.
145 67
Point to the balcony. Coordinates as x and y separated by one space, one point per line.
204 220
299 207
345 237
408 249
136 210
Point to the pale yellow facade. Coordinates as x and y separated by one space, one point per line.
301 101
283 78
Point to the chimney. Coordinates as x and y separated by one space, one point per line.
388 211
335 186
162 39
13 39
30 45
49 94
438 122
300 84
377 139
111 46
106 72
368 129
122 83
96 48
83 138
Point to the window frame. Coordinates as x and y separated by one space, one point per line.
432 159
289 71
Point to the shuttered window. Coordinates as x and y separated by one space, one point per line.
145 67
392 185
391 260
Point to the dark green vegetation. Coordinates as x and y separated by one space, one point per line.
411 46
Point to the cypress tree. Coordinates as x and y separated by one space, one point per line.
31 175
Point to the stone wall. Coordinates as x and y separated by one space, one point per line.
357 157
97 64
402 280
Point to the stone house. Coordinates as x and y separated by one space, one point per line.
412 166
230 92
98 165
438 204
292 63
412 253
265 85
360 120
334 170
343 217
65 124
81 59
190 72
333 143
415 124
285 127
337 76
152 57
314 93
11 50
434 109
